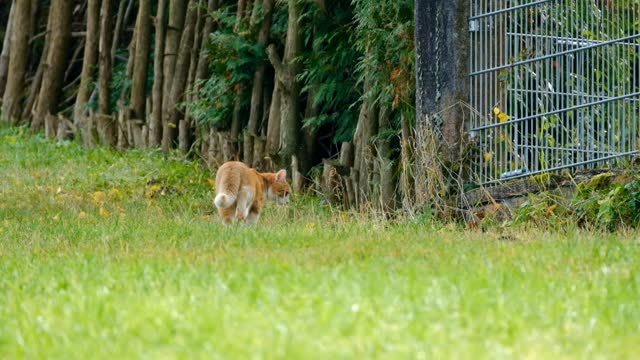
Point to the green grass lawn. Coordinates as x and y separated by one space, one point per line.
114 255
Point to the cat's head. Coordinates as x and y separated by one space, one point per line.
278 188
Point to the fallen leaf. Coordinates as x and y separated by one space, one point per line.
104 212
99 197
503 117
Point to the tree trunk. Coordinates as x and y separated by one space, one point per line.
208 135
287 71
442 71
180 78
272 147
141 64
185 128
88 71
406 168
52 79
121 21
177 9
386 166
363 159
17 62
201 71
237 117
308 154
258 81
106 123
34 91
155 126
6 46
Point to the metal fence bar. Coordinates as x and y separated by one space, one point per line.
572 99
562 53
506 10
572 108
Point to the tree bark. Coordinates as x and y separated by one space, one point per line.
441 71
208 135
17 62
88 72
406 168
237 117
201 71
363 160
272 148
308 154
255 112
287 71
140 67
34 91
186 129
52 79
179 81
155 126
106 123
177 10
386 166
121 21
6 47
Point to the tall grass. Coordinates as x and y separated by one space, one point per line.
118 255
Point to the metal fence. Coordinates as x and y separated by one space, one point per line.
557 84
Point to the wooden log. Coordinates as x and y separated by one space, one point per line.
296 176
247 150
346 154
259 144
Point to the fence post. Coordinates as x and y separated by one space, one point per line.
442 64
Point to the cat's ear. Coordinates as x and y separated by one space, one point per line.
281 176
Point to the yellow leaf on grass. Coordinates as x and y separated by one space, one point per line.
551 209
82 215
104 212
211 182
99 196
115 193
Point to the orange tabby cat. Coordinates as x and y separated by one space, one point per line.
241 191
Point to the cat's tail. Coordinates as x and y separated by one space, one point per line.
224 200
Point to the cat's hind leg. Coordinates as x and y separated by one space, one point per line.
227 215
244 202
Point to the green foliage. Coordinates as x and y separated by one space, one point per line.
384 34
233 57
329 69
335 62
606 201
609 207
